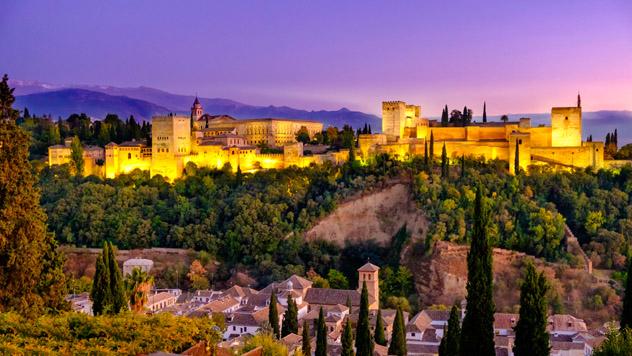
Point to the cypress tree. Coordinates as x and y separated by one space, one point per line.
364 342
444 162
398 337
477 335
426 153
290 318
321 335
347 340
444 116
626 314
607 138
517 159
100 293
616 138
532 339
379 336
349 305
369 128
30 277
451 337
117 287
306 342
273 315
484 111
431 149
76 156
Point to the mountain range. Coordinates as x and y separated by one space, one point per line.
145 102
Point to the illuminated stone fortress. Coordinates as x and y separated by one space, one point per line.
214 141
405 133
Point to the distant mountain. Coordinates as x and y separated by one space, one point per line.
65 102
43 98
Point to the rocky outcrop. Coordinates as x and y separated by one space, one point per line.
376 215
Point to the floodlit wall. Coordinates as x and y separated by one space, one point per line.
566 127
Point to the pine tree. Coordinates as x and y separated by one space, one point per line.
517 159
30 275
477 335
532 339
321 335
347 340
451 336
363 340
379 337
484 111
273 315
290 318
626 314
117 286
444 162
306 342
398 337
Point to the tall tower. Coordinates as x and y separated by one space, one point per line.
369 274
196 110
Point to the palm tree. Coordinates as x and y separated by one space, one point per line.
137 284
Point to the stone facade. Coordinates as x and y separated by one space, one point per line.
404 133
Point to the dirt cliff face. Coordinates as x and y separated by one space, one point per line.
441 277
376 215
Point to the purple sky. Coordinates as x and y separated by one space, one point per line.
521 57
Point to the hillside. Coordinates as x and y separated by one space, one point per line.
376 215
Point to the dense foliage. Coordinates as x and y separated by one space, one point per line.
108 292
450 342
532 339
477 334
363 338
129 334
618 342
31 276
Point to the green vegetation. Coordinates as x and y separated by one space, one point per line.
321 335
477 335
452 335
108 293
618 342
379 336
398 337
75 333
363 340
76 156
269 344
347 340
273 315
290 317
626 313
306 345
31 273
532 339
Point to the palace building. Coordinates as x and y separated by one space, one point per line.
216 140
406 133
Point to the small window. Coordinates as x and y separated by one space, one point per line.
129 156
520 142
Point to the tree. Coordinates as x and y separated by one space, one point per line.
30 268
117 287
462 166
426 153
444 162
347 340
363 340
273 315
431 149
517 159
138 284
302 135
6 101
531 335
306 342
618 342
321 335
100 293
337 280
197 276
504 118
484 111
451 336
398 337
379 336
626 313
477 335
290 318
444 116
76 156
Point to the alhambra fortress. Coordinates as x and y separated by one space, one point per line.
214 141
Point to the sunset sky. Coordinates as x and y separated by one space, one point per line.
521 57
